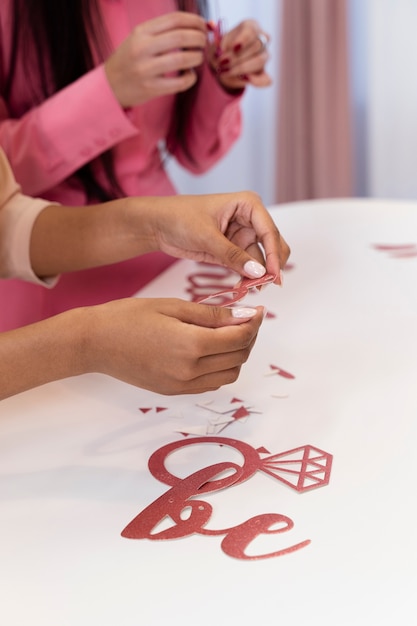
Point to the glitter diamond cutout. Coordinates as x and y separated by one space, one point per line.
302 468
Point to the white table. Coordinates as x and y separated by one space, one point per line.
74 457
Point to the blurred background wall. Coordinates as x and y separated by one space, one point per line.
373 151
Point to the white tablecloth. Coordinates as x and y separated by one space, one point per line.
332 376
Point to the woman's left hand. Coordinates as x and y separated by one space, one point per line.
239 58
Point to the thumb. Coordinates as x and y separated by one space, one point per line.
209 316
237 259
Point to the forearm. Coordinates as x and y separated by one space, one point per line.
57 145
40 353
67 239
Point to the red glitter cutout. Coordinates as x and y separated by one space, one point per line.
309 467
281 372
314 466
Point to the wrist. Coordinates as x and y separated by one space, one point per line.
140 219
70 335
43 352
120 230
83 342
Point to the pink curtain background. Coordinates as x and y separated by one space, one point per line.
314 115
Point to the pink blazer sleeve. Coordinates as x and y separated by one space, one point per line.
17 216
214 125
72 127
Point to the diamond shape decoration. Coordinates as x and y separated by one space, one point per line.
302 469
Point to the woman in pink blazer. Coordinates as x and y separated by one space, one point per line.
94 96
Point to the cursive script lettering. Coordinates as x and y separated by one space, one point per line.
180 511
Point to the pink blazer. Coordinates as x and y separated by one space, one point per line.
46 144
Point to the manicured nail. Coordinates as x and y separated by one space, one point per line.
225 61
243 312
254 269
237 48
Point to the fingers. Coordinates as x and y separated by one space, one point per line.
224 361
177 40
276 250
261 79
244 56
175 84
284 252
250 70
169 346
253 226
175 20
176 61
254 45
157 58
179 30
220 350
246 39
234 230
238 259
211 317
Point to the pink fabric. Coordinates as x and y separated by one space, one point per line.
314 123
46 144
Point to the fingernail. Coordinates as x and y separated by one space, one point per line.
254 269
237 47
244 77
243 312
225 61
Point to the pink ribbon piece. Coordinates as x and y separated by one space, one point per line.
240 290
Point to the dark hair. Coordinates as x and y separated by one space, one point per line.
46 29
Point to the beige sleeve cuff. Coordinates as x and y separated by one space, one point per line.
17 218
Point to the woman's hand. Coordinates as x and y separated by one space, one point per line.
164 345
169 346
232 229
159 57
241 57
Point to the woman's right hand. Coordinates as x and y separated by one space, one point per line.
166 345
158 58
